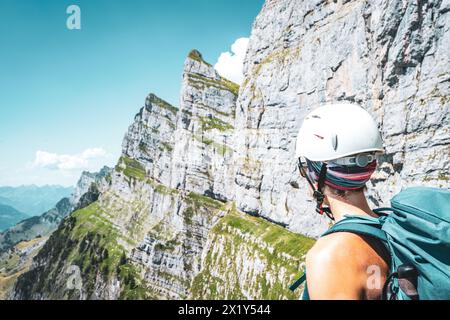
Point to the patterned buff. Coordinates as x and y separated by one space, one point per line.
342 177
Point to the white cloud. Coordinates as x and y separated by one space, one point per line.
56 161
230 64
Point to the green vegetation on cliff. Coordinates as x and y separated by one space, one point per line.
220 148
16 262
88 240
209 123
197 56
131 168
199 200
199 82
250 258
162 103
97 250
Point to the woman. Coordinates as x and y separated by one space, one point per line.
337 146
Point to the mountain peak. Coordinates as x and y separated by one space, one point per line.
197 56
195 63
152 100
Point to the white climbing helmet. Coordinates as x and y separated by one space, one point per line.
338 131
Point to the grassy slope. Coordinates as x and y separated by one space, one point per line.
88 240
99 250
15 264
239 238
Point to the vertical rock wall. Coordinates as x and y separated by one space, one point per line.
392 57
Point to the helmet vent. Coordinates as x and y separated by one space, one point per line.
334 141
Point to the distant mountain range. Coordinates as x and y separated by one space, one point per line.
10 216
22 241
33 200
36 226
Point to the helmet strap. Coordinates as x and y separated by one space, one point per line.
317 192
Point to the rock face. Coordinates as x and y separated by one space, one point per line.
392 57
203 151
188 210
98 180
150 138
247 258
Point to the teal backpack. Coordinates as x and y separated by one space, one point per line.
416 232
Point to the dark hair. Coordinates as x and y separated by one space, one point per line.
344 193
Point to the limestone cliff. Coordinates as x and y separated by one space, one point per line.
392 57
204 144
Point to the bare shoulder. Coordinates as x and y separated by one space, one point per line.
343 248
337 267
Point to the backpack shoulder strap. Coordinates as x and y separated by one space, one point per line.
365 227
298 282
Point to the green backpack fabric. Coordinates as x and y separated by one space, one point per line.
416 232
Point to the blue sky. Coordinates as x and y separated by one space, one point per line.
71 94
